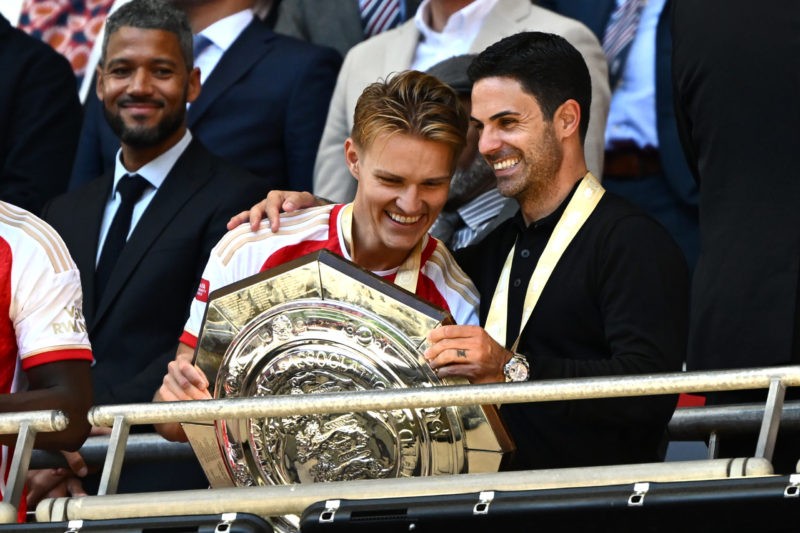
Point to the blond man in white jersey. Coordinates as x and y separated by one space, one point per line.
384 230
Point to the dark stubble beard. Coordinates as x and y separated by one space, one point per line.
146 137
543 164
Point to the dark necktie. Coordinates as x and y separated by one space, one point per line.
130 189
619 35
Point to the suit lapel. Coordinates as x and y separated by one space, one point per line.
87 220
190 173
5 26
399 53
251 45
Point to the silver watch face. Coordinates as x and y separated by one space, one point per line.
516 369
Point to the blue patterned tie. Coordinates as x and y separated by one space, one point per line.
379 15
619 35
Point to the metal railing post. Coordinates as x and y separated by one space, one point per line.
19 464
772 419
26 425
109 481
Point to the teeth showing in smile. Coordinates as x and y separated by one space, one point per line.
404 220
505 163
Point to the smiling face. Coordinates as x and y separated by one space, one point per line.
144 85
516 139
403 181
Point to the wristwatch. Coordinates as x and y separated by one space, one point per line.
517 368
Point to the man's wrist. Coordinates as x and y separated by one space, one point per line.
517 368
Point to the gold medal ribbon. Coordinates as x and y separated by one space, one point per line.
578 210
408 272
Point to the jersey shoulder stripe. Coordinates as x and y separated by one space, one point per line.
305 222
455 279
16 222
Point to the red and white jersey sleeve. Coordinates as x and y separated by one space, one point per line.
242 253
41 316
447 278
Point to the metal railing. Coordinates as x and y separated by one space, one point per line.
688 424
122 417
26 426
293 499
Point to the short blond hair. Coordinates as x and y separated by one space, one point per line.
413 103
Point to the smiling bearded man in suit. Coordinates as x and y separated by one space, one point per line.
137 291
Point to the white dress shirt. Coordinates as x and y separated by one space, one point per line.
455 38
632 116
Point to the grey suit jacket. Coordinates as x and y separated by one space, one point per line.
393 51
335 24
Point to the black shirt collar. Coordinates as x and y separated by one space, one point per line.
550 220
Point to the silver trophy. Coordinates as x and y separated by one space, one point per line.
322 324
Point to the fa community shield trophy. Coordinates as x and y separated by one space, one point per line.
322 324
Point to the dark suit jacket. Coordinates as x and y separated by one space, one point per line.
135 327
595 14
336 24
263 108
737 89
39 120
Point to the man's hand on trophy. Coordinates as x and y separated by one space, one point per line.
275 203
466 351
183 381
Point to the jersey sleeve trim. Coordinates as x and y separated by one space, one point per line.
63 353
188 339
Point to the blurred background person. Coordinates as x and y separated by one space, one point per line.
439 30
745 305
341 24
39 120
644 160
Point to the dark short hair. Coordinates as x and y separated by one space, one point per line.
453 72
152 15
413 103
547 66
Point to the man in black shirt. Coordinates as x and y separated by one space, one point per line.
613 285
609 289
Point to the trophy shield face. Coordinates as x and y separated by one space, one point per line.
321 324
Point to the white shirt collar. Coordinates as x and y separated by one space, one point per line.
156 170
224 31
466 19
456 37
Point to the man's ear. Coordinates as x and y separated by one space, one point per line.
193 89
98 83
567 119
351 156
